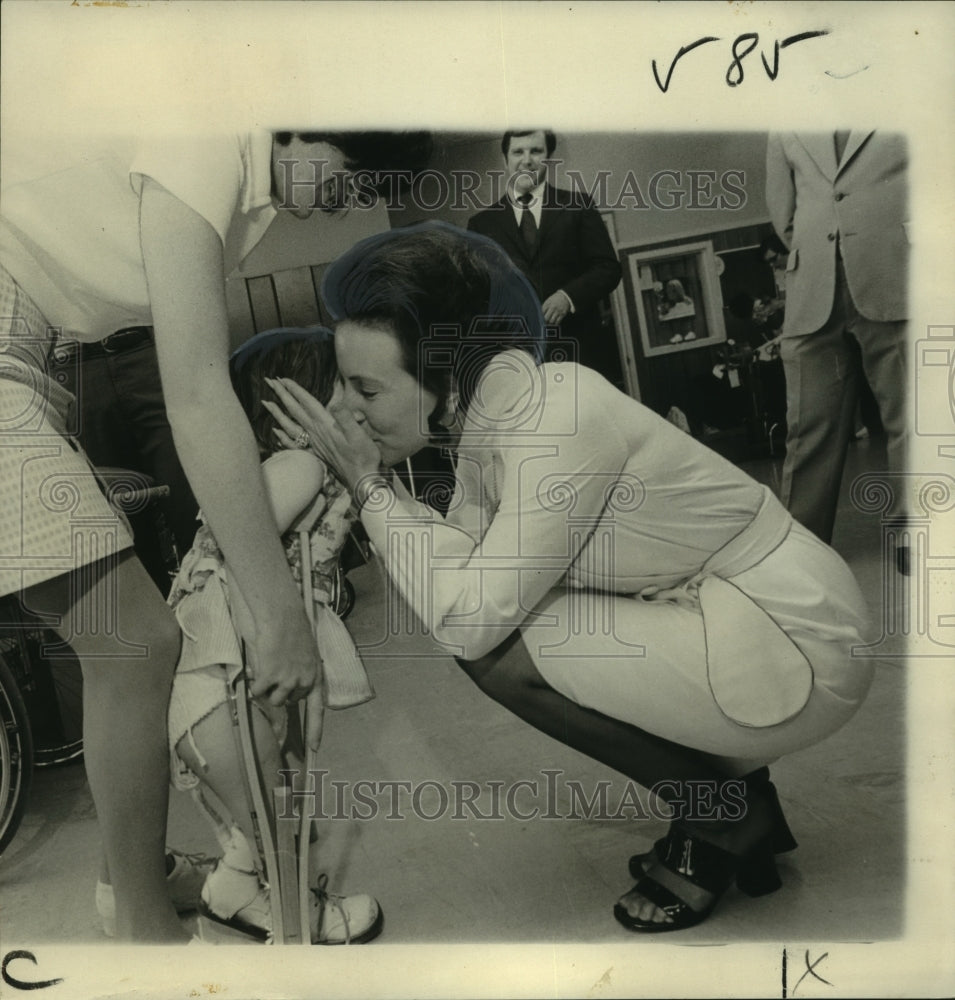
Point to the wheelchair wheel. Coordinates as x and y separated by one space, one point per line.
347 598
343 594
56 708
16 755
49 683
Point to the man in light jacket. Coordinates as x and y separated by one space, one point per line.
839 202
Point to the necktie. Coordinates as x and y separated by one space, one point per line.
528 225
842 138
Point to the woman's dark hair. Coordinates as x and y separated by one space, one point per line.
453 299
550 140
388 160
306 354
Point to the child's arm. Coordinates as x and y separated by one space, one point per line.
293 478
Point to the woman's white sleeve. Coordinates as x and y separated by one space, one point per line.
204 172
471 591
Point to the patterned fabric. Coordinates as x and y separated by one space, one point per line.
211 654
53 516
327 539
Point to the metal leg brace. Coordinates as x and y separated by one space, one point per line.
281 836
284 857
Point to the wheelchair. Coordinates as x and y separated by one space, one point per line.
41 683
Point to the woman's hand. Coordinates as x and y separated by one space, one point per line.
284 660
334 435
286 669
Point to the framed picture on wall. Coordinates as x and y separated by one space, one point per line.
677 298
617 304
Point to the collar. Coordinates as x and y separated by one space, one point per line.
537 196
256 152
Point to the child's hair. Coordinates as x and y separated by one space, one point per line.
306 354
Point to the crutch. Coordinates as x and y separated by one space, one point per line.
274 841
284 855
345 679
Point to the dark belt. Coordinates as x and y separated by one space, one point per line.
119 342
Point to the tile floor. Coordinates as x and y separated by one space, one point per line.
541 880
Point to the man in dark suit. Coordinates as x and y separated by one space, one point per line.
561 244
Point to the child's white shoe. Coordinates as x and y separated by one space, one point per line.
335 919
344 919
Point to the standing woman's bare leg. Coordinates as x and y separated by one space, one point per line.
125 701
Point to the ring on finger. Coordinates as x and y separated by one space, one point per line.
302 439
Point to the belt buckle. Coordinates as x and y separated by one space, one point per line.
118 341
112 343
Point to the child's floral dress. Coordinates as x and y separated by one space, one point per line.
211 655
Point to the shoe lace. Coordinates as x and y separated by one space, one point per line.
323 898
194 859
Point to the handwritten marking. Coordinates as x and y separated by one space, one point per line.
785 43
686 48
22 984
737 63
734 73
802 37
811 970
845 76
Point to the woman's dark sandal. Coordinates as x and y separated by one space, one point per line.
782 840
640 864
707 867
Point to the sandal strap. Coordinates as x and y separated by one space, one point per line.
698 861
236 924
226 913
662 897
195 859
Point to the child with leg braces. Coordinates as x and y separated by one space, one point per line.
235 902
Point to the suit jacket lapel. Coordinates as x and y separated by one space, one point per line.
549 209
513 232
855 143
509 231
822 148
